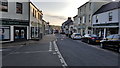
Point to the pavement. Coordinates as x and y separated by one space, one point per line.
33 53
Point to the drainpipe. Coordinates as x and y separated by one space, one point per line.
104 33
119 19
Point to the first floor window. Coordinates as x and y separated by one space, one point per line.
96 19
19 8
4 6
110 16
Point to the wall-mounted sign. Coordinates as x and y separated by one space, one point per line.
14 22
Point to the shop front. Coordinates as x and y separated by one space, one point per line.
13 30
20 33
106 30
35 31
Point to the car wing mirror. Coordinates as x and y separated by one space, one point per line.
106 39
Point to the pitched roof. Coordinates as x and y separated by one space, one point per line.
68 22
108 7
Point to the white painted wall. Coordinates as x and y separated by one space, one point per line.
31 15
104 17
11 33
11 14
119 19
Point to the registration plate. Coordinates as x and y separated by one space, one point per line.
97 40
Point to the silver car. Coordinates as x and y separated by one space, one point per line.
76 36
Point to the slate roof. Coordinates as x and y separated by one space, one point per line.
68 22
108 7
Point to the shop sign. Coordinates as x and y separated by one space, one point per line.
13 23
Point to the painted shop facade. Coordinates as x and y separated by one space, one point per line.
17 23
106 20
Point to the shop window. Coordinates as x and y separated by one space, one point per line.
19 8
4 33
32 32
17 34
22 34
4 6
36 32
110 16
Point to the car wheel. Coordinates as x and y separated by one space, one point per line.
102 45
118 50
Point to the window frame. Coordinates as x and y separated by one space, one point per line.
33 12
5 5
20 11
110 16
96 18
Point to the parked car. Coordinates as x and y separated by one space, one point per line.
112 41
76 36
62 32
90 38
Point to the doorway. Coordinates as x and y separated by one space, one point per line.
20 33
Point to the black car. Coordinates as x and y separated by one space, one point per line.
112 41
90 38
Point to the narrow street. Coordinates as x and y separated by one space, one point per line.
77 53
64 52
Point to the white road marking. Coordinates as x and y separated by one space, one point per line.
50 47
28 52
61 39
64 64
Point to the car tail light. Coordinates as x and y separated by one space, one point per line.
92 38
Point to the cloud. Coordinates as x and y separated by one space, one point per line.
56 17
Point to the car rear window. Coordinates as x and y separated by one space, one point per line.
77 34
93 35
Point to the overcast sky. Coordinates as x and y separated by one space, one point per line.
57 11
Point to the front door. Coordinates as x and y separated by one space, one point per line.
20 33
